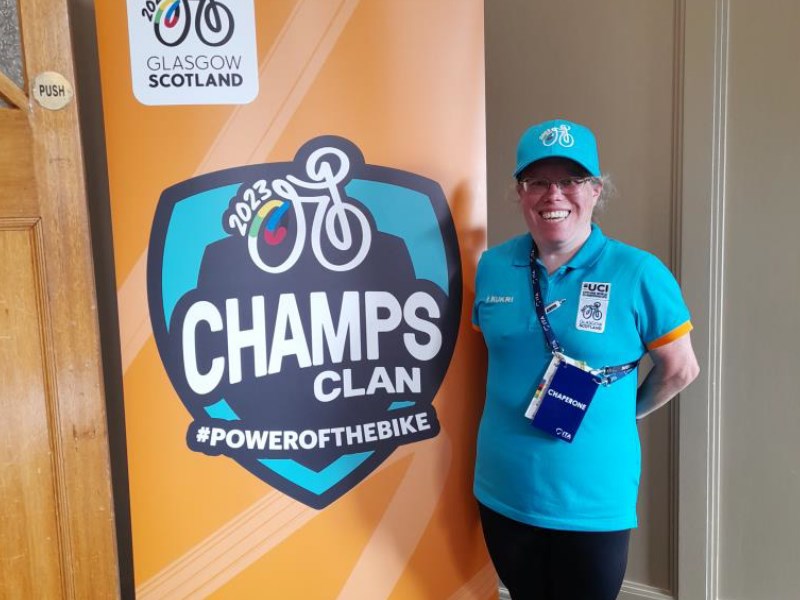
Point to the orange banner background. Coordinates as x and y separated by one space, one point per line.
404 80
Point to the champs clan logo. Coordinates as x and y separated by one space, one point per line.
306 313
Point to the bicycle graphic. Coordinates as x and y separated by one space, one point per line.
558 134
592 311
333 217
172 21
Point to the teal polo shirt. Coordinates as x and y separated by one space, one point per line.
614 302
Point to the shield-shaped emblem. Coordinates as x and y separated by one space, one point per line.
306 313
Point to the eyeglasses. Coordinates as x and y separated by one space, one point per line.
568 185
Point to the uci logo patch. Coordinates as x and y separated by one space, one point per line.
306 313
593 307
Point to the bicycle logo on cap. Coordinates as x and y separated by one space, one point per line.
558 134
172 21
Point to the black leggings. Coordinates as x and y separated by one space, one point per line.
549 564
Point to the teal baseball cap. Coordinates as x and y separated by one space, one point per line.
558 138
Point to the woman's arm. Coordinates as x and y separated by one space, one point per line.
674 367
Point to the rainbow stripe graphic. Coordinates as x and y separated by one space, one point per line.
271 212
172 8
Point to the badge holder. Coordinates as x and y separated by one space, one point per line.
562 398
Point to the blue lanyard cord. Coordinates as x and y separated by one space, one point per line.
608 375
538 303
603 376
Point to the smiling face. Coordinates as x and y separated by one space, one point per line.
558 221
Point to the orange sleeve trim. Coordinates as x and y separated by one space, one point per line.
673 335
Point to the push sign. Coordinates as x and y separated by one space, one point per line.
52 90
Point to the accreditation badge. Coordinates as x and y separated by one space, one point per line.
562 398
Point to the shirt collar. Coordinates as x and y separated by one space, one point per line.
586 256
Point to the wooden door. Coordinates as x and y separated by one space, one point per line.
56 513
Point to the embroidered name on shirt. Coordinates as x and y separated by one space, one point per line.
499 299
593 306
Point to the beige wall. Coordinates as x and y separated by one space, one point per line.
738 424
760 415
609 65
698 122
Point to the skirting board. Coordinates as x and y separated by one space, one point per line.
637 591
630 591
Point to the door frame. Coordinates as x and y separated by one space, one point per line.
703 195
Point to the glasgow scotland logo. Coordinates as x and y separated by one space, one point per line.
306 313
193 51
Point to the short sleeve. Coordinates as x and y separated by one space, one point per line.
661 313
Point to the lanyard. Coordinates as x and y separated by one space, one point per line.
538 303
604 375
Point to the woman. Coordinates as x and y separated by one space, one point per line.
558 500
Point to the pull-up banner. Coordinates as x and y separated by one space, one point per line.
297 202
